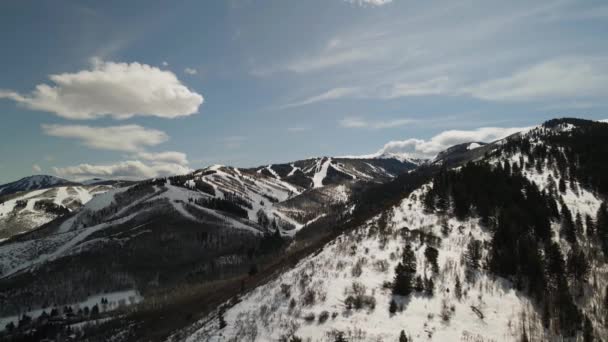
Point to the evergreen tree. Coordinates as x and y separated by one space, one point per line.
578 223
221 319
587 330
458 288
429 286
590 226
567 228
562 185
392 307
405 272
472 258
419 286
577 265
402 337
431 254
601 227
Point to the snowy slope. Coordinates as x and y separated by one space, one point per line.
310 300
269 313
33 183
19 213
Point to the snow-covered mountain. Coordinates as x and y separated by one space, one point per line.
33 183
458 290
317 172
27 210
505 241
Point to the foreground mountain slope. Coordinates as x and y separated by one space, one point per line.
526 263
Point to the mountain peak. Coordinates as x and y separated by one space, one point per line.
34 182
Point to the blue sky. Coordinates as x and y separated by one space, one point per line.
135 89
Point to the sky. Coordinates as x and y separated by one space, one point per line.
139 89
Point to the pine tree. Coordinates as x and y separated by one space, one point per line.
431 255
392 307
601 227
402 337
419 287
405 272
562 185
578 223
472 258
587 330
220 317
590 226
458 288
567 228
429 286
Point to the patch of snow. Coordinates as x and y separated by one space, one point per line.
473 146
321 173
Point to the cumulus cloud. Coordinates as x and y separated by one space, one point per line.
130 169
169 157
332 94
117 90
129 138
36 168
190 71
355 122
420 148
560 78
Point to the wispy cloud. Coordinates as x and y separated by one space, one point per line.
169 157
130 138
356 122
369 2
191 71
331 94
561 78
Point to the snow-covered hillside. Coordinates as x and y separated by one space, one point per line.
27 210
311 300
319 172
346 290
33 183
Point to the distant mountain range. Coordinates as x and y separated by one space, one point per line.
500 241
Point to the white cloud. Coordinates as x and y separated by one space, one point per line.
36 168
165 64
355 122
433 86
327 60
420 148
190 71
332 94
130 138
117 90
130 169
559 79
169 157
370 2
